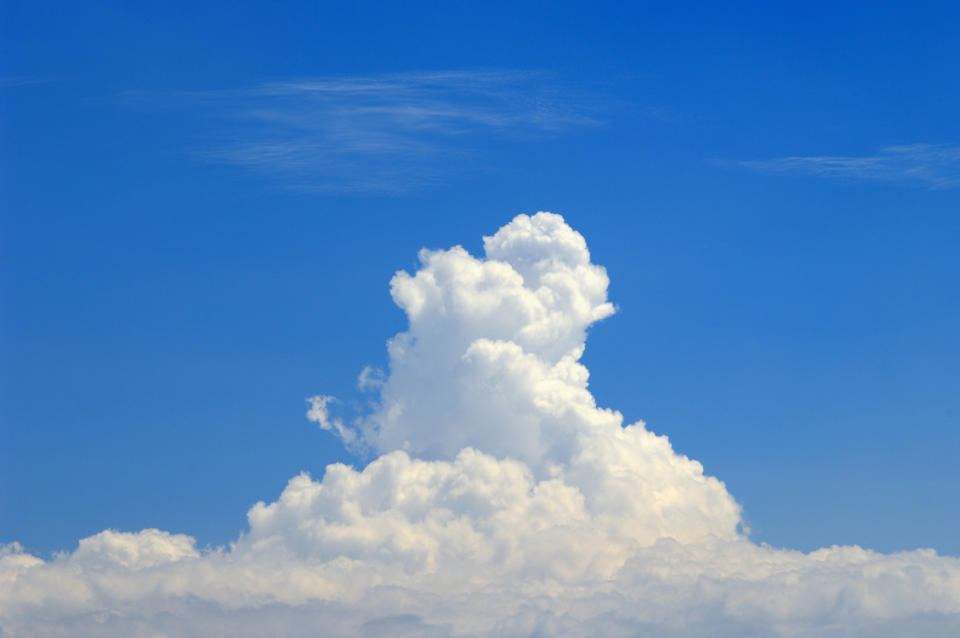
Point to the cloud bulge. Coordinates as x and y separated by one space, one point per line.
500 501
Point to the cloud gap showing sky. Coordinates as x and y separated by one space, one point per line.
501 501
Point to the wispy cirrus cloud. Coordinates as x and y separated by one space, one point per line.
12 81
391 133
935 166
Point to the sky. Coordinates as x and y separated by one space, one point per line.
203 211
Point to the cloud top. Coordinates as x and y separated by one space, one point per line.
490 358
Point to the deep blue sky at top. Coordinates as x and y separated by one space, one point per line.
168 302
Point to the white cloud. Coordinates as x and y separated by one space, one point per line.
504 502
370 378
319 414
934 166
390 132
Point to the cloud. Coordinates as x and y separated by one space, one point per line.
935 166
502 502
370 378
15 81
383 133
319 414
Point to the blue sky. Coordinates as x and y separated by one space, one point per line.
202 208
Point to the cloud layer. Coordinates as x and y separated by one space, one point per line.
502 501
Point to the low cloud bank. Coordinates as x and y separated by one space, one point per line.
502 502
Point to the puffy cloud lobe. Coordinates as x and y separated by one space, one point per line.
149 548
477 328
504 502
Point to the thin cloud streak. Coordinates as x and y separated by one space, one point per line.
12 81
934 166
387 133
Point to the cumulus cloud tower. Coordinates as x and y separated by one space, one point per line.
491 361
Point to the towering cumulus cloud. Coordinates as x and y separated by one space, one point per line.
503 502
